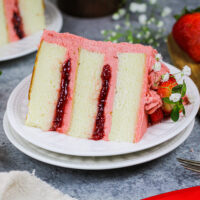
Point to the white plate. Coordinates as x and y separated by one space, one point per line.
60 143
94 163
30 44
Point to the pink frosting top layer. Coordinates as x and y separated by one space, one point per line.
10 6
73 43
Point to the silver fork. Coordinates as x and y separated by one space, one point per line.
190 164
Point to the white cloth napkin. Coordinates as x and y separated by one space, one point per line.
17 185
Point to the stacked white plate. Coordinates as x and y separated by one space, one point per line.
65 151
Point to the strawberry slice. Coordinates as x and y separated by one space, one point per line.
157 116
165 88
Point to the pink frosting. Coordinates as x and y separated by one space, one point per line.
155 77
152 102
110 50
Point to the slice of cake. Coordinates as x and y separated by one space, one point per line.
20 18
3 28
90 89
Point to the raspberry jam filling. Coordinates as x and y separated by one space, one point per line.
63 96
98 132
17 22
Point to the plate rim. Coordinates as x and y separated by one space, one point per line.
176 132
181 138
33 49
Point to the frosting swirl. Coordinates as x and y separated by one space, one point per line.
152 102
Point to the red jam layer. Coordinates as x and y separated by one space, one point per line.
98 132
63 96
17 23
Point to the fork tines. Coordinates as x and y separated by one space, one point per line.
190 164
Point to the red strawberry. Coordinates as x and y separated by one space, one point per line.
167 109
186 32
157 116
165 88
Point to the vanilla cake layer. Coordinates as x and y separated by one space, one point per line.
45 85
130 77
109 109
3 28
87 89
32 13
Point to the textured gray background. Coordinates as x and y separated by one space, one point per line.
158 176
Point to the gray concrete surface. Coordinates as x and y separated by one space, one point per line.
158 176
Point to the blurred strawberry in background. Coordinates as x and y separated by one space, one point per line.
186 32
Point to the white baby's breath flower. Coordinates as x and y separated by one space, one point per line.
147 34
138 35
151 41
142 8
117 27
138 7
152 1
158 57
157 44
178 77
127 24
157 36
122 12
186 70
165 77
175 97
142 19
103 32
157 66
166 11
160 24
113 34
115 16
151 20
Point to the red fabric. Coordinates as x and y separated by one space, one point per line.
184 194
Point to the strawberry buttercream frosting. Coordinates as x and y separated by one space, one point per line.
153 100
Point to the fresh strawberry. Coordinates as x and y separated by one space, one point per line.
165 88
167 109
186 32
157 116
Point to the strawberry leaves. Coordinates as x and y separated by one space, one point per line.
186 11
175 113
181 88
178 106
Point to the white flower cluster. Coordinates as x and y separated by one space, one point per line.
121 12
175 97
157 65
166 11
179 78
186 71
138 7
158 57
152 1
142 19
165 77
